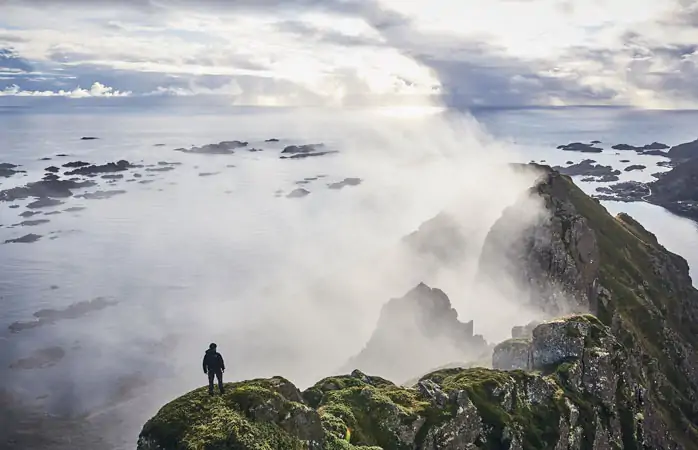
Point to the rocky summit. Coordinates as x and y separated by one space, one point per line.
409 330
620 372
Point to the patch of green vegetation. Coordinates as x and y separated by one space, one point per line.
197 421
375 415
539 424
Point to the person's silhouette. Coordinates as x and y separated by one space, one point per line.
214 366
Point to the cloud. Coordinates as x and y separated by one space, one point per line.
341 52
96 90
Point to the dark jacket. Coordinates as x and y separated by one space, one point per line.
213 361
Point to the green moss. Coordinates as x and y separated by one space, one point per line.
374 414
197 421
539 424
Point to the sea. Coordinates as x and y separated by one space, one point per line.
213 247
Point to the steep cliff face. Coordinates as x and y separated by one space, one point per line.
581 258
584 396
416 333
554 261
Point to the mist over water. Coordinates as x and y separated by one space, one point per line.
284 286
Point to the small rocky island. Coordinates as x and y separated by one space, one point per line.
590 170
580 147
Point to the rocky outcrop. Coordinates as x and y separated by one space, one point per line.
524 331
587 397
624 376
617 270
512 354
677 190
553 262
684 152
632 167
409 330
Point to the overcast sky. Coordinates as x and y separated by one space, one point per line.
356 52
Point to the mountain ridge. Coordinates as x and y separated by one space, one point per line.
630 369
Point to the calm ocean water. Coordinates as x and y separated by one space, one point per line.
225 256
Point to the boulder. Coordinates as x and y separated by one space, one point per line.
512 354
250 414
524 331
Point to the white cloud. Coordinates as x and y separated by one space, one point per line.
335 52
96 90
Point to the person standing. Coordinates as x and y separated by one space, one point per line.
214 366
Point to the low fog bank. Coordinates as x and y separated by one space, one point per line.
290 287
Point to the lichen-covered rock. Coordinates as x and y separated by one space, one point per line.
512 354
559 340
579 258
449 409
257 414
524 331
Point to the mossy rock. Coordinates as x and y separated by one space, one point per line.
254 415
485 408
